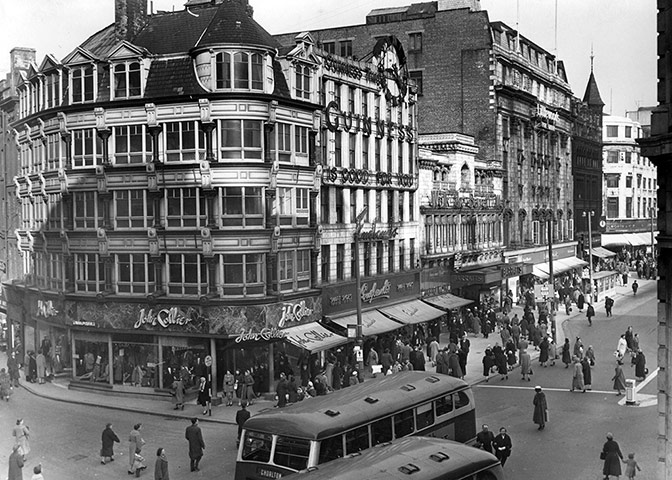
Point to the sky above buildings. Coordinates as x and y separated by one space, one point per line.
621 33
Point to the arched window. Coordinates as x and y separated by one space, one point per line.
223 70
241 75
465 175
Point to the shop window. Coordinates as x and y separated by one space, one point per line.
242 70
127 80
242 206
186 207
187 274
86 210
132 209
183 358
91 357
240 139
89 273
82 84
243 274
184 142
135 360
302 86
135 274
87 148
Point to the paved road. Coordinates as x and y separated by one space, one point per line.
66 440
569 446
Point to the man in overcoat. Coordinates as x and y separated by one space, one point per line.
196 444
108 438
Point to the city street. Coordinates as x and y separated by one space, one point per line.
570 446
66 436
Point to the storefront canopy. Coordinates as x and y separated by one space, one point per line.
602 252
562 265
447 301
539 273
628 239
373 322
313 337
415 311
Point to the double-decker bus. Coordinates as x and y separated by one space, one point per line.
321 429
419 458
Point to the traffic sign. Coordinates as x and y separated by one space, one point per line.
208 361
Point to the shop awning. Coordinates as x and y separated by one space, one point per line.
539 273
562 265
313 337
447 301
415 311
602 252
634 239
609 239
645 238
373 322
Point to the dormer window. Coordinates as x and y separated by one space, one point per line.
82 84
240 70
52 86
127 81
302 87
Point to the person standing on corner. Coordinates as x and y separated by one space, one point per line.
108 438
484 439
635 287
161 465
204 395
242 416
590 313
540 408
612 456
196 444
229 381
502 445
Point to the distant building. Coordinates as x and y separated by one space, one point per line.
630 185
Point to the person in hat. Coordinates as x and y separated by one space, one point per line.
540 415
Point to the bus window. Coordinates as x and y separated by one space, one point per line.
381 431
424 416
461 400
403 423
444 405
291 452
357 440
331 449
257 447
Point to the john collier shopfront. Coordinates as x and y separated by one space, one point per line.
147 345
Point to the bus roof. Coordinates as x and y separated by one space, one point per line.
435 458
321 417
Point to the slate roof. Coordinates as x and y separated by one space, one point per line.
169 77
280 88
592 96
232 25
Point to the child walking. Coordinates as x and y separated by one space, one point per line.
631 466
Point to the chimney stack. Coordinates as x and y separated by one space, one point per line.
129 18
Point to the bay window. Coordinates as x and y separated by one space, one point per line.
53 151
187 274
186 207
241 70
241 139
86 148
87 213
242 274
89 273
294 273
135 274
132 209
132 144
48 268
184 142
242 206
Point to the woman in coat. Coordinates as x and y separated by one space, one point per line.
612 456
161 465
15 464
204 397
525 365
500 362
577 377
543 351
540 408
107 439
587 373
566 353
21 433
41 364
229 381
640 365
590 355
178 392
619 379
239 386
135 444
249 387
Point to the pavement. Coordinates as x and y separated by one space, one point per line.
57 390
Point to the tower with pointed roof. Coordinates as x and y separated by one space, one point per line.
587 164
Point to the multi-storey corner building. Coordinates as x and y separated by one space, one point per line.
192 191
658 149
20 60
484 80
630 185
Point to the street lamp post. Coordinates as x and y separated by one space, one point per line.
653 246
589 215
359 341
551 283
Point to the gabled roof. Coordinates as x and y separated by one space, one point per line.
232 24
49 62
79 55
592 96
125 50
